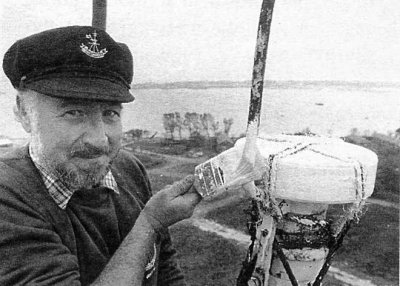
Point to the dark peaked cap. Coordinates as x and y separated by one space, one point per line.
72 62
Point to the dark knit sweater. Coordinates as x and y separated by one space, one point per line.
41 244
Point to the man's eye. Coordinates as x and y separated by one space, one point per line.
112 114
74 113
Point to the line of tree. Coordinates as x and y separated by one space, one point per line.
195 124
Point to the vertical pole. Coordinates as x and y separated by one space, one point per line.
260 56
99 15
264 234
257 83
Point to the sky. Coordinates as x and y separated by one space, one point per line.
191 40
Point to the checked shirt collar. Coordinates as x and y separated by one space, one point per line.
58 191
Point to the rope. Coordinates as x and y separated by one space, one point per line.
269 205
248 266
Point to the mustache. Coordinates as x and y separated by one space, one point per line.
88 151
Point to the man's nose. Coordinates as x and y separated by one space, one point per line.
96 133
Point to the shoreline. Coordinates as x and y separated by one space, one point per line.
269 84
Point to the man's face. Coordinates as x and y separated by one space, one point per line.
75 139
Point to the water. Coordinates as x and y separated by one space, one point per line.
324 108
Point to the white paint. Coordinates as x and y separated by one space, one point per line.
222 231
244 240
348 278
383 203
316 169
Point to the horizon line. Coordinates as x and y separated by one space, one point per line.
203 84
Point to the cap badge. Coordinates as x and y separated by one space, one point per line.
93 49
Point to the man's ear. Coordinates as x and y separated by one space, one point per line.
22 116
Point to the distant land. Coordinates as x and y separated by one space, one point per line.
272 84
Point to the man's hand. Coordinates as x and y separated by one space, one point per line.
172 204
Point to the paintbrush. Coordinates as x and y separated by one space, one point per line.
241 165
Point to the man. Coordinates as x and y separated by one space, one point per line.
75 209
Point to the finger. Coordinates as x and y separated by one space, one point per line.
193 197
197 186
182 186
165 188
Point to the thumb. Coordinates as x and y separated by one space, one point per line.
182 186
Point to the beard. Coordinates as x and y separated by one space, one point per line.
84 166
76 177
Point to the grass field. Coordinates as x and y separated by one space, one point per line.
370 250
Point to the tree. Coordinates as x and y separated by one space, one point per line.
215 127
207 121
134 134
192 123
169 123
397 133
227 125
179 124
